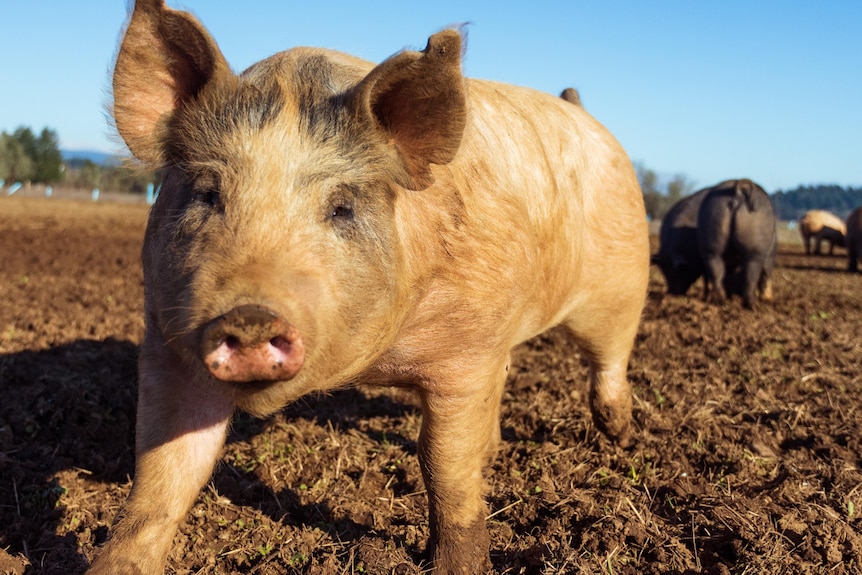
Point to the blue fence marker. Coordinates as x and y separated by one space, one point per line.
49 191
95 194
2 183
14 188
151 188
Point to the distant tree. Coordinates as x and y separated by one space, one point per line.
678 188
658 201
24 157
15 164
648 180
25 137
4 160
47 159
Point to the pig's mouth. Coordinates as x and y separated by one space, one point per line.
252 344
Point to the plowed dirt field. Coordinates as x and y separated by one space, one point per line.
745 460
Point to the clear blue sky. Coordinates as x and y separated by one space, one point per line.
770 90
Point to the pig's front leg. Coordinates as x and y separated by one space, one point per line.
180 432
460 429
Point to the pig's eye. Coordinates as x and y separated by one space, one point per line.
339 209
343 213
208 197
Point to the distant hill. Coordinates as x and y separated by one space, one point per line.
100 158
792 204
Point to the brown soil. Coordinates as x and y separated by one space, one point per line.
746 457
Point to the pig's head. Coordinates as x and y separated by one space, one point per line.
678 258
680 273
273 263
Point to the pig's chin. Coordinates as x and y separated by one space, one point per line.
262 398
253 386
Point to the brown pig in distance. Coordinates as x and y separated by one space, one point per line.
820 226
324 222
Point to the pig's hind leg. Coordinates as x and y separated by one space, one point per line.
181 429
755 278
714 286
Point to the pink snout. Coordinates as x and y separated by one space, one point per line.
252 343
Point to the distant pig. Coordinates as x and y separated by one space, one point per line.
854 239
678 257
736 231
325 222
821 225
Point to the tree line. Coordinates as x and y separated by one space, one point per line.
26 157
792 204
789 205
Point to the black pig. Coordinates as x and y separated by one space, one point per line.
736 232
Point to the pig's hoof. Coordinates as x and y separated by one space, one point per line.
614 423
462 551
114 568
617 431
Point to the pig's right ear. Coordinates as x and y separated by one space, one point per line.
417 101
165 59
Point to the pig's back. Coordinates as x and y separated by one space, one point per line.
555 191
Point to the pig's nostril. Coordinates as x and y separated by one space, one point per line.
281 343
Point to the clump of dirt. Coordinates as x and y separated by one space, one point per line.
745 458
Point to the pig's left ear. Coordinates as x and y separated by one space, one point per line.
417 100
